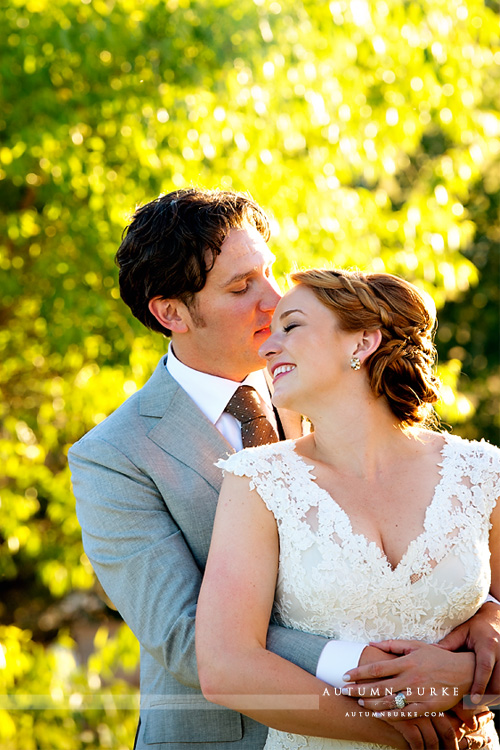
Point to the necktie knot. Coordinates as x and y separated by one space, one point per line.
246 407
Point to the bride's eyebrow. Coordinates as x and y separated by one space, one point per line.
289 312
286 314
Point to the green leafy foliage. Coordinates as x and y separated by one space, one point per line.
370 131
55 703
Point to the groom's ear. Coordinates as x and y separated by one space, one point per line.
369 343
171 313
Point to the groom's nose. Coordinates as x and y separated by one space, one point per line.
271 295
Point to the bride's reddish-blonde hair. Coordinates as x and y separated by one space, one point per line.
403 367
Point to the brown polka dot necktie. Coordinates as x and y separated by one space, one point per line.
256 429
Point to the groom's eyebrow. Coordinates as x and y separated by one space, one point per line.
239 277
249 272
242 276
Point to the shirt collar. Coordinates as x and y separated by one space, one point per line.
209 392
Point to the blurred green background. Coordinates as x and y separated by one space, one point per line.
369 130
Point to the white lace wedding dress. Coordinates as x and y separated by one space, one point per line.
336 583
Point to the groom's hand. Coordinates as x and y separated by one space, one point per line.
476 727
448 732
439 733
480 634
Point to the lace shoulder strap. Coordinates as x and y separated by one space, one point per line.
489 458
476 466
269 469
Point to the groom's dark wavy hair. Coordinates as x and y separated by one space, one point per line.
172 243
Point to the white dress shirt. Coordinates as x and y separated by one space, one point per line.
211 395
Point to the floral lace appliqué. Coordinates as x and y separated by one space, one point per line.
337 583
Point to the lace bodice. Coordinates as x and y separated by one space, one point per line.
337 583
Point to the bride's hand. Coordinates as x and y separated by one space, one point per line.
430 678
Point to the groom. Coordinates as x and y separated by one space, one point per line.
194 265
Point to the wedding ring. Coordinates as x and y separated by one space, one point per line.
400 701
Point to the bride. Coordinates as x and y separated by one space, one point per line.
371 527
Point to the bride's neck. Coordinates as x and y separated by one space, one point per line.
356 437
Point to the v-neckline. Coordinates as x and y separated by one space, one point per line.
370 543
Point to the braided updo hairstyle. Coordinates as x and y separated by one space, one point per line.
402 367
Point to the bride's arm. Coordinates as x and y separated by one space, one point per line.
493 687
234 609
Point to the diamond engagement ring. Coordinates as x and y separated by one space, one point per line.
400 701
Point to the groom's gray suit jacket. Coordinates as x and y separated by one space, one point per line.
146 489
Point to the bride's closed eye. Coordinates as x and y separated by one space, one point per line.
289 327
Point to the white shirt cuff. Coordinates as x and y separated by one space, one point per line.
337 658
489 598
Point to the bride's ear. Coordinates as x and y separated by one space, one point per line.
369 343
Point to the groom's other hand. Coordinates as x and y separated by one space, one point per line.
480 634
438 733
477 732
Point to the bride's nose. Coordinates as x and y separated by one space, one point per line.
270 347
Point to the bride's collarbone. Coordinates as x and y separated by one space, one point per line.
404 489
391 514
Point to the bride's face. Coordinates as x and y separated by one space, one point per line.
307 354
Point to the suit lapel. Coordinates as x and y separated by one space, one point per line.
182 430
